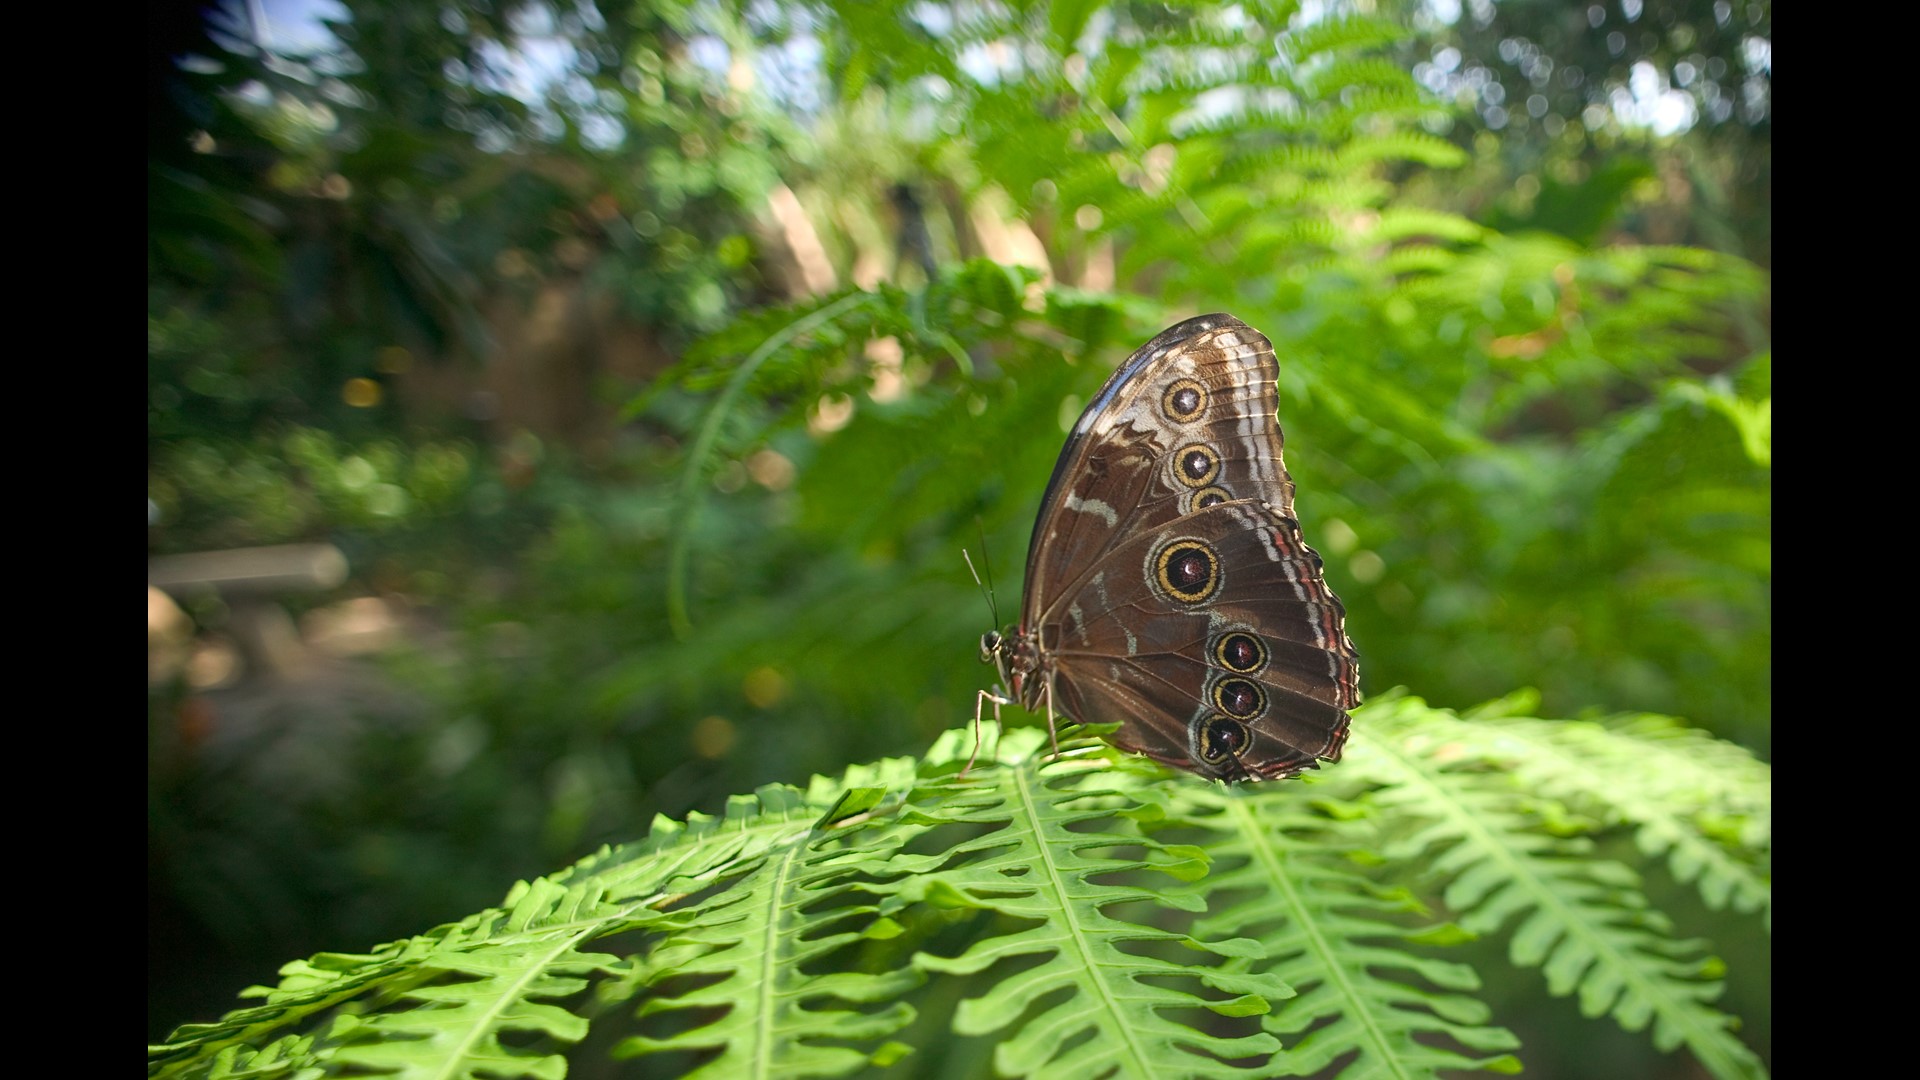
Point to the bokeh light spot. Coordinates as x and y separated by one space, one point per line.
713 737
361 393
764 688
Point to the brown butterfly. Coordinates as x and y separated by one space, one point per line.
1168 588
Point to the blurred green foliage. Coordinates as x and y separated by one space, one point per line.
400 291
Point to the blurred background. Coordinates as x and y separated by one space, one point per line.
562 413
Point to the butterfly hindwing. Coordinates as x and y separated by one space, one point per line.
1217 634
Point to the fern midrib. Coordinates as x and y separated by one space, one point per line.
763 1022
1271 861
1707 1042
529 973
1089 961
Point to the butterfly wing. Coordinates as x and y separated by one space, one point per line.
1206 386
1216 643
1168 586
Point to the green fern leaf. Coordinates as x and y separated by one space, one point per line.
1702 803
790 936
1415 146
1052 830
1339 34
436 1005
1584 921
747 946
1404 222
1330 933
1416 259
282 1057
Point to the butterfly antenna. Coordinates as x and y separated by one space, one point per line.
993 609
986 563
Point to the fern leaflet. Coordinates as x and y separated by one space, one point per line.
1584 921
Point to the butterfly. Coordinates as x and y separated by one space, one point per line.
1168 587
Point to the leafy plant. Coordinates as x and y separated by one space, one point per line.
1089 914
1528 460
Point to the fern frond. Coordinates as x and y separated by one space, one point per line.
282 1057
1331 934
741 949
1339 34
1703 803
1414 146
1087 1008
789 937
1358 71
1403 222
1416 259
1584 921
745 947
436 1005
445 998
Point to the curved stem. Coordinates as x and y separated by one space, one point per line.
687 503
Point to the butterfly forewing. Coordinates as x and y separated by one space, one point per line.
1168 587
1187 421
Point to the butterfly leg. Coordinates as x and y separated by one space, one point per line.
1053 731
980 702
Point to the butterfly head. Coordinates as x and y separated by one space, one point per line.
996 648
992 644
1016 658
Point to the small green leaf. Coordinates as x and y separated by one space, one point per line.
1446 933
1244 1005
1183 862
851 803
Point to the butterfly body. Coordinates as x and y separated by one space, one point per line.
1168 586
